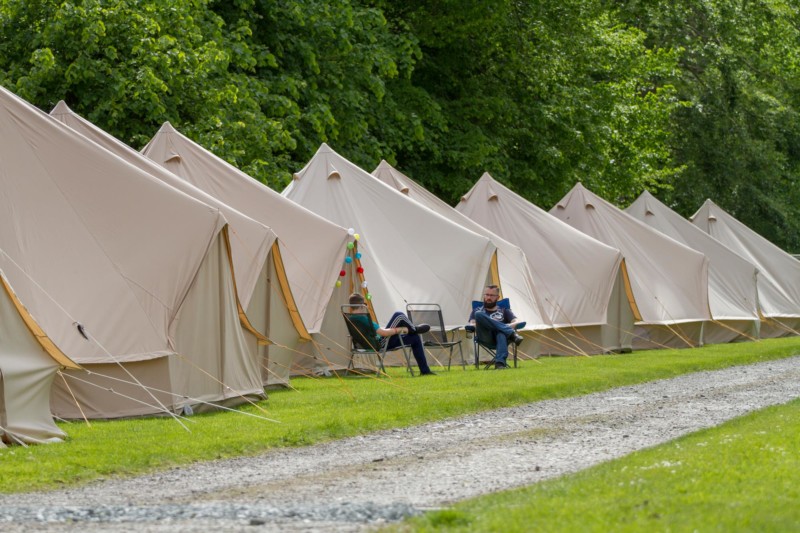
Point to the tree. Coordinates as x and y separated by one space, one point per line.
129 66
737 136
539 94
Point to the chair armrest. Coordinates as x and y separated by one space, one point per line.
470 329
450 333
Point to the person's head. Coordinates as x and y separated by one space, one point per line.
491 293
356 299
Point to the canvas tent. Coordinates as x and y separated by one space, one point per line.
669 281
778 272
28 363
409 253
516 281
255 250
141 273
579 279
312 247
732 291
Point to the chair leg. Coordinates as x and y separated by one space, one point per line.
477 350
408 360
461 353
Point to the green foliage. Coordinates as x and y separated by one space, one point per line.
318 410
741 476
689 99
737 134
541 95
129 66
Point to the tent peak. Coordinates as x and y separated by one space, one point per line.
167 127
61 108
325 149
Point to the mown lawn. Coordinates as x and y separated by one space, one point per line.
741 476
317 410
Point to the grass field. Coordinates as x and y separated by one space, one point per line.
317 410
741 476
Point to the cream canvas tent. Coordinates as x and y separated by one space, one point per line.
778 272
669 281
256 252
141 273
732 291
409 253
579 279
313 248
28 363
516 281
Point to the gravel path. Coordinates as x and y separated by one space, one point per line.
355 484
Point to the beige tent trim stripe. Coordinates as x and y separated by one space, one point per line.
47 344
494 270
361 279
242 315
286 290
629 291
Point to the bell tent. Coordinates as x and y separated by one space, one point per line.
29 362
579 279
732 291
255 250
406 253
516 281
312 248
778 271
141 273
669 280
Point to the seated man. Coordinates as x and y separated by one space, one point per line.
497 322
399 325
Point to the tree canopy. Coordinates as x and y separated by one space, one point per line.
686 99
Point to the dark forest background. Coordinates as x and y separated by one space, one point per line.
688 99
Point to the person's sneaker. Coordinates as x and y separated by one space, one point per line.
500 366
517 338
431 373
419 329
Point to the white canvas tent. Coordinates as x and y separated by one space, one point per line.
778 272
579 279
732 291
669 281
409 253
256 252
312 247
141 273
516 281
28 363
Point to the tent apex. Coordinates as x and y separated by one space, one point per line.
61 108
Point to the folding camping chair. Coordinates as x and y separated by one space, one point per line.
438 336
364 339
482 341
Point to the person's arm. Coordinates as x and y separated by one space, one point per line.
388 332
471 320
511 318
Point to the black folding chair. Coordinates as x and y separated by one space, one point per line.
364 340
438 336
483 341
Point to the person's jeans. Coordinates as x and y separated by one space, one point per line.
399 320
501 332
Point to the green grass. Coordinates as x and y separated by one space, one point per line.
741 476
324 409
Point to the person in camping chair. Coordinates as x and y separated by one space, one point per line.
497 322
398 325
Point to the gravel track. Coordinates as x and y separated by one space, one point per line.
355 484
